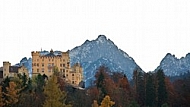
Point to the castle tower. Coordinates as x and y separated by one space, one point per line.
6 69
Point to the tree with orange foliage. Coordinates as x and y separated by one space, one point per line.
12 94
1 98
95 104
124 91
106 102
172 95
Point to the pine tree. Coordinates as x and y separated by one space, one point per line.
106 102
140 89
24 80
37 85
150 90
54 96
1 98
5 83
134 83
101 77
161 88
12 94
39 81
133 104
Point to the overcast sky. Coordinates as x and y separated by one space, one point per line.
145 29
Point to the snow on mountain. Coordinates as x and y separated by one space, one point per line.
27 63
173 66
102 51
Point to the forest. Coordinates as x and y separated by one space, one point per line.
109 89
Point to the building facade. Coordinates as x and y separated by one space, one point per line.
45 62
12 71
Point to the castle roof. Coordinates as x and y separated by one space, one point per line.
13 69
51 54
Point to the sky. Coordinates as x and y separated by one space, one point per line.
145 29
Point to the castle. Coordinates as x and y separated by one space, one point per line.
45 64
11 71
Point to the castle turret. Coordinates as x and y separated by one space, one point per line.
6 69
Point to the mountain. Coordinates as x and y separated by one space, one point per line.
173 66
102 51
27 63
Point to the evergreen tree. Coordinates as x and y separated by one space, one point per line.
24 80
29 85
12 95
134 83
133 104
106 102
101 77
140 89
5 83
54 96
39 82
150 91
161 88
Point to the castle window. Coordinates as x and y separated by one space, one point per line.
73 82
66 75
49 64
43 59
64 70
37 64
61 70
37 70
42 69
49 70
34 64
52 59
63 60
60 65
49 60
42 64
73 74
63 65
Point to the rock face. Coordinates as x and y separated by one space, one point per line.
27 63
173 66
102 51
